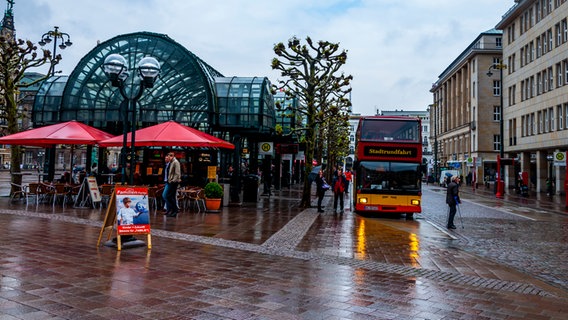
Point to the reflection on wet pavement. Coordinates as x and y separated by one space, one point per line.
272 260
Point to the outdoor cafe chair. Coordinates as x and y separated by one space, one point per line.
59 192
55 192
106 193
34 190
73 192
155 196
197 197
182 199
20 191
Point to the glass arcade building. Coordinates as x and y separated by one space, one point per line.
189 91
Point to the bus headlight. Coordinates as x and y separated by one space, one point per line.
362 200
415 202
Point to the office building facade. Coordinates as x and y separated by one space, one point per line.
535 82
465 113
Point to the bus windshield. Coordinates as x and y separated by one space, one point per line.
380 130
388 177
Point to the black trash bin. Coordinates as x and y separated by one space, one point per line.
251 183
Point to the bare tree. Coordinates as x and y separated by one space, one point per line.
312 75
16 58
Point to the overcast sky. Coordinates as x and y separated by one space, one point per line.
396 48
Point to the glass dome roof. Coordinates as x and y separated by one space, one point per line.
188 91
184 91
48 101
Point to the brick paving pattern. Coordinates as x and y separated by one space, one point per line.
272 260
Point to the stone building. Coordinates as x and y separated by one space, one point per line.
465 113
535 82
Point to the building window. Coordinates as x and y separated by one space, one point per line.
496 142
566 115
564 30
496 88
513 65
559 117
558 30
551 118
496 113
559 73
496 62
538 83
550 79
546 124
498 42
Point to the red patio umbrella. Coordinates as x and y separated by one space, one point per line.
170 134
71 132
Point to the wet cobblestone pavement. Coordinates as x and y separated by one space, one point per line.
272 260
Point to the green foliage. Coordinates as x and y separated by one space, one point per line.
312 75
213 190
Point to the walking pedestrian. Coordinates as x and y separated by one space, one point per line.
321 188
452 199
348 177
172 179
339 185
549 187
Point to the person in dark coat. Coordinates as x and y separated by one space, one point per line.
453 199
320 190
339 186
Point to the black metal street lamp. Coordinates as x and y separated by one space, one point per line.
500 182
435 113
115 67
55 35
64 41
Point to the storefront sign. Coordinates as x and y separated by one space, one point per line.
266 148
288 148
560 159
212 172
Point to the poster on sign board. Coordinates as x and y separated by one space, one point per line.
132 214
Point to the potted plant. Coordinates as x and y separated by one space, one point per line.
213 196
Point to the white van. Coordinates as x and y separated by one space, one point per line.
444 175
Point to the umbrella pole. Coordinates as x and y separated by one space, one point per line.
71 166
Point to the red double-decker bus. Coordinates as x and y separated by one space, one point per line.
388 165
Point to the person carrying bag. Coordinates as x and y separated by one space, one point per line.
321 188
339 187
